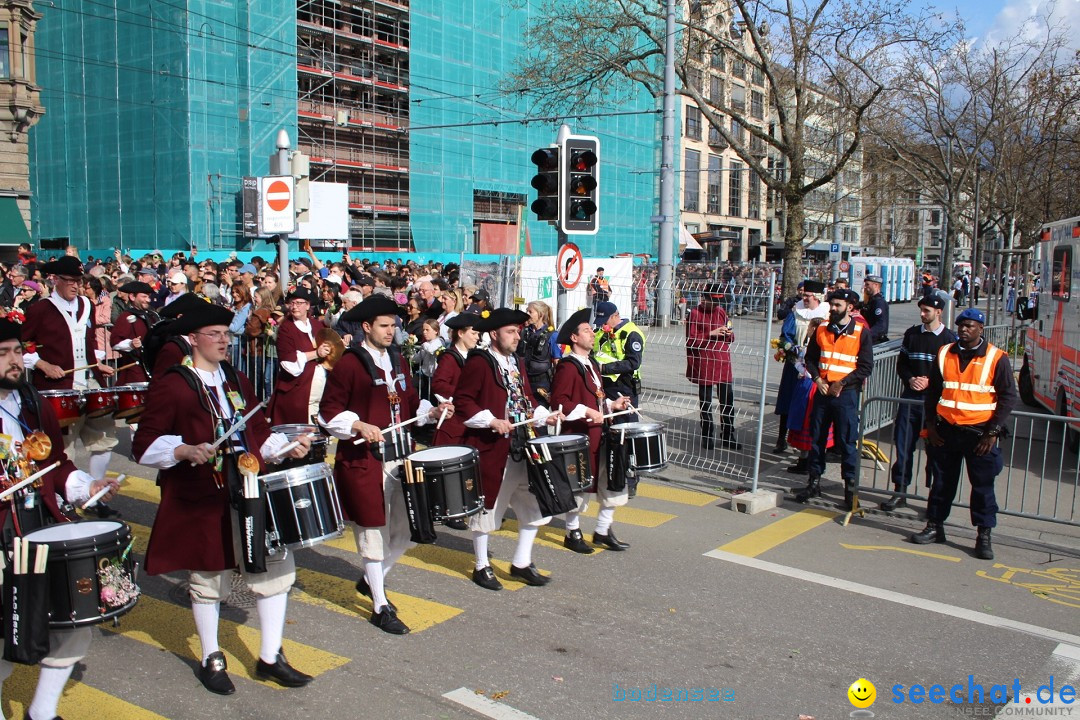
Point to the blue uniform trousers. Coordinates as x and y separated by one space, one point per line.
843 414
960 447
906 429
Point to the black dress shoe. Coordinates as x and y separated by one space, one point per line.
932 533
456 524
893 503
213 676
364 589
105 512
530 575
388 621
609 541
281 672
574 541
801 465
485 578
27 716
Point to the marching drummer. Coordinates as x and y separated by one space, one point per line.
162 348
22 412
130 330
206 398
302 377
578 388
493 394
65 357
369 390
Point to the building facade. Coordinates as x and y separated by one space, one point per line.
20 108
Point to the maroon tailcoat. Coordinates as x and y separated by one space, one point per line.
54 481
444 383
357 470
289 402
172 352
570 389
708 359
45 326
193 527
129 326
480 388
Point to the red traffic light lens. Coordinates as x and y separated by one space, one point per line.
582 160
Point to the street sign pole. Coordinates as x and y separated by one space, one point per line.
283 239
560 291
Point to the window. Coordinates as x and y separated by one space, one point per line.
757 145
715 173
735 189
738 98
1061 284
5 53
736 131
715 138
24 59
717 61
693 122
757 105
738 69
754 196
716 90
759 76
935 238
691 180
935 217
695 79
912 217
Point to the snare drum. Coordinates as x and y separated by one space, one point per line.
302 507
647 441
569 452
452 474
316 454
99 402
131 399
66 403
78 552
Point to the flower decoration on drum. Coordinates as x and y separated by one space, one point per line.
14 316
785 350
118 587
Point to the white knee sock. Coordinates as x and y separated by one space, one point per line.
271 625
573 521
99 464
603 520
373 570
50 685
206 625
523 551
480 548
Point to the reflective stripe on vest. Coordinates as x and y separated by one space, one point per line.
968 397
609 349
839 354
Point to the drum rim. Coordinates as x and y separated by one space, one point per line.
559 439
94 620
315 541
120 525
281 478
457 516
143 386
637 429
61 392
471 452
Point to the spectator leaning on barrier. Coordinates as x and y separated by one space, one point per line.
918 353
969 399
839 358
708 365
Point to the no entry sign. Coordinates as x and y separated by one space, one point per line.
277 206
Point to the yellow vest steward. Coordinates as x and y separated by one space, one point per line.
968 397
609 350
839 355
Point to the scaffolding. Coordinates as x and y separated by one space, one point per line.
352 71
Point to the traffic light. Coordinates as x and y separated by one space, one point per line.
581 208
547 184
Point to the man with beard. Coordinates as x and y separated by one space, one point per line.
22 412
839 358
130 330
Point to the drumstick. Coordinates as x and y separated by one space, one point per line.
558 423
24 560
442 416
102 493
392 428
84 367
621 412
40 558
287 448
15 555
236 426
23 483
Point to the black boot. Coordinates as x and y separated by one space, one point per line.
801 465
983 549
707 442
781 436
849 498
812 490
895 502
932 533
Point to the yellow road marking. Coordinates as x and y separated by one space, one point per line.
551 537
909 551
79 701
140 488
339 595
755 543
675 495
166 626
629 515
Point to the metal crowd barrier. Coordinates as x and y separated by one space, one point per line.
883 382
1041 479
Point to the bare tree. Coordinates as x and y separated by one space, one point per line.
822 65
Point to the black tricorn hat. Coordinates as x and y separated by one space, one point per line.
372 307
463 320
501 318
570 327
200 317
67 265
132 288
181 305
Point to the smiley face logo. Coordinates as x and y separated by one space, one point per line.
862 693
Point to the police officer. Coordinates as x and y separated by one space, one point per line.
618 349
877 310
970 395
918 353
839 358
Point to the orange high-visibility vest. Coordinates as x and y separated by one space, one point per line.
968 397
839 354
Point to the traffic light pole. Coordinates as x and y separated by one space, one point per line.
666 280
561 313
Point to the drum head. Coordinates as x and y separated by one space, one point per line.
74 531
295 430
59 393
637 428
558 439
133 387
300 475
445 452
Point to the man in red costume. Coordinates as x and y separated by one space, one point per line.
302 379
130 331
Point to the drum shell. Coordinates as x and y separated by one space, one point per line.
99 403
302 505
75 589
453 484
131 399
67 404
571 453
648 443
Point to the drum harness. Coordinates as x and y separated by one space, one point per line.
400 440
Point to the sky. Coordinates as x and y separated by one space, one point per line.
989 18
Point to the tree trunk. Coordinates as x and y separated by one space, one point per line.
793 246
